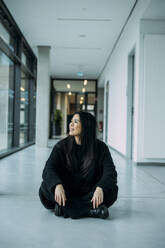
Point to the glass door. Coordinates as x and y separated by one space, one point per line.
81 100
91 101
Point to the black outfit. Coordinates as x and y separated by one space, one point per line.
78 189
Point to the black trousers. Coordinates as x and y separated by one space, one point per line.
76 207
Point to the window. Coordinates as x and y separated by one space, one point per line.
24 59
24 109
17 86
4 34
7 38
6 101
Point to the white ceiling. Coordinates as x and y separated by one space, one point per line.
81 33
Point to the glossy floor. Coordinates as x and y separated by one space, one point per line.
137 219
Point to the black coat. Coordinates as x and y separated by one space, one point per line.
102 172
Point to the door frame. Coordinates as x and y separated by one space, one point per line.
106 110
130 104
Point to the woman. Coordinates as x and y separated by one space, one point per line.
79 178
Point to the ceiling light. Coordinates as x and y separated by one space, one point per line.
84 19
85 82
80 74
82 35
83 90
70 93
22 89
79 48
68 86
82 98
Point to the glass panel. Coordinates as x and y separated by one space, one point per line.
34 111
24 59
71 107
71 104
24 109
90 107
5 35
91 98
6 101
69 99
80 102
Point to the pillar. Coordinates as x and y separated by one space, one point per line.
43 95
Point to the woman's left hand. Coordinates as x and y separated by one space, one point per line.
97 198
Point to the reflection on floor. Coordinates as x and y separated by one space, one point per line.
137 219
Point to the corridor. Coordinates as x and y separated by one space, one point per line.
105 57
136 219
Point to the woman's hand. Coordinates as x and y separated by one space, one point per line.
97 198
59 195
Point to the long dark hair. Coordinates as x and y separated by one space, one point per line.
88 142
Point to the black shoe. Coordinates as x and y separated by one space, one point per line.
58 210
100 212
65 215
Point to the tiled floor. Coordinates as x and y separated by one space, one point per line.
137 219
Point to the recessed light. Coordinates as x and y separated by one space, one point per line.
82 35
80 74
84 19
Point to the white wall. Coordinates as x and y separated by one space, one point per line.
148 39
116 71
154 95
147 27
152 42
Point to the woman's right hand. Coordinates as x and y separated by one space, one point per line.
59 194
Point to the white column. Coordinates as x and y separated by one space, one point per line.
43 95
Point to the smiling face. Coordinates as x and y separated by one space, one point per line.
75 126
